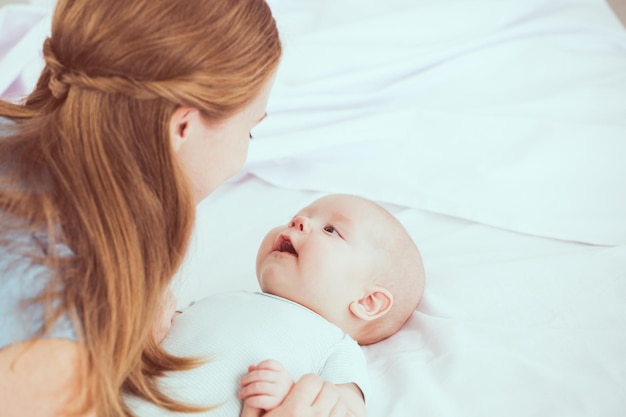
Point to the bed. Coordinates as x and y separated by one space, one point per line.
496 132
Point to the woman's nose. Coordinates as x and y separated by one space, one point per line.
301 223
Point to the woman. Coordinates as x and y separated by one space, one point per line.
143 109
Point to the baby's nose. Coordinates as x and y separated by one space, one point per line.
301 223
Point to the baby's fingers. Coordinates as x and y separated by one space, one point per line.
271 365
264 402
249 411
258 376
257 388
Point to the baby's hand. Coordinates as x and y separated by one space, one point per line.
265 385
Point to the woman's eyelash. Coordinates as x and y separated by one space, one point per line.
250 135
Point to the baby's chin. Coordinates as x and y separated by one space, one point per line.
272 278
267 286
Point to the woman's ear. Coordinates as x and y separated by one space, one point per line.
179 126
375 303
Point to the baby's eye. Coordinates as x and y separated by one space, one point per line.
250 135
331 229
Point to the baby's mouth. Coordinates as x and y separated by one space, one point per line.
284 245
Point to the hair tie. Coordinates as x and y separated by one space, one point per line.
58 87
57 84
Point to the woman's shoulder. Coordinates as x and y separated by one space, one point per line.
47 371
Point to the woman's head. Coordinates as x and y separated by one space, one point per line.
209 153
213 59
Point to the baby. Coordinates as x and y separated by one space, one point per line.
342 273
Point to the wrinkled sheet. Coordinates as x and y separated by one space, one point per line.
509 112
22 31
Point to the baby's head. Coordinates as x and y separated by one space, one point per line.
349 260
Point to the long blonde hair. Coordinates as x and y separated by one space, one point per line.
88 161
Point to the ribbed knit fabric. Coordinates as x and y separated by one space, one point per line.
235 330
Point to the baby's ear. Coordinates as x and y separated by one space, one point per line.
376 303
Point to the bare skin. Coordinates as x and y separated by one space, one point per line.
309 397
48 367
267 384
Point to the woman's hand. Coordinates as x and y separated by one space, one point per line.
309 397
164 322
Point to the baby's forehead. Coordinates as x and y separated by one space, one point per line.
355 211
342 205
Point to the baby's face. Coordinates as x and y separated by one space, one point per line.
324 257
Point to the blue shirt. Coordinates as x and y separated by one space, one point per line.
21 279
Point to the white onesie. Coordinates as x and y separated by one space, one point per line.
235 330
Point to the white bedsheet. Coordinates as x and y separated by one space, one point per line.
496 131
510 324
507 112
